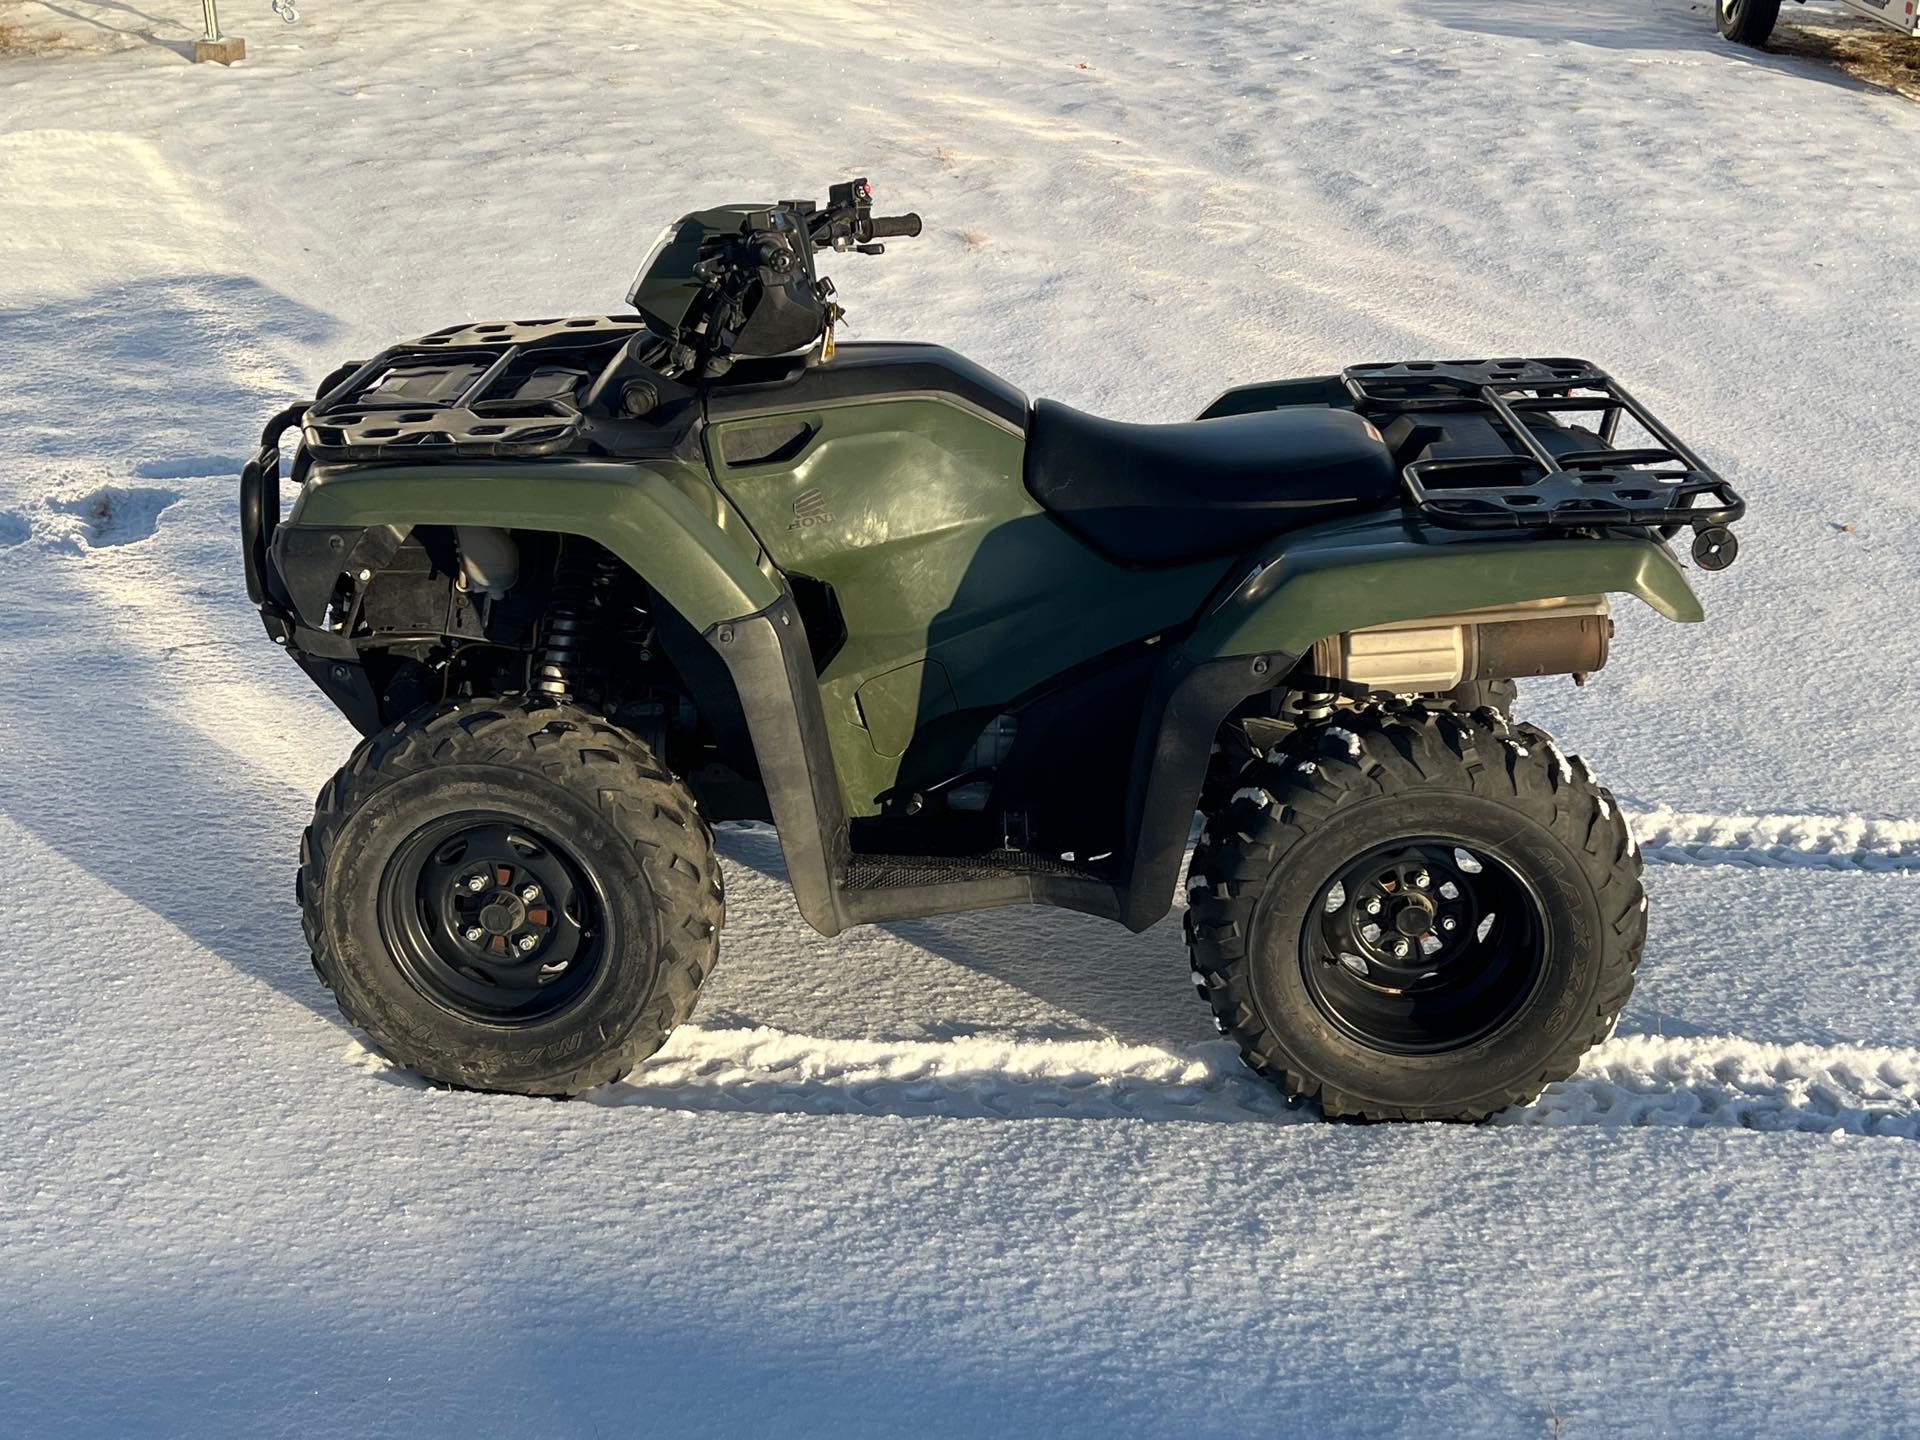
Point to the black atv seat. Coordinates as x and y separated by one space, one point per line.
1169 494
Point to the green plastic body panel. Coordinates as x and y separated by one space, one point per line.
914 511
1378 570
664 519
960 595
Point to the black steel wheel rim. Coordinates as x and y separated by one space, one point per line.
491 919
1423 946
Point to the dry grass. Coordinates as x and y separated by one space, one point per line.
17 39
1866 51
29 28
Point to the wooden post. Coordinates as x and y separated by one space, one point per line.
222 49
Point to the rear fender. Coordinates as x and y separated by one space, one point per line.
1320 582
1353 574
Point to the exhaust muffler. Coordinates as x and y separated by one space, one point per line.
1566 636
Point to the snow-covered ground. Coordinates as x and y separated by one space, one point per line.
991 1174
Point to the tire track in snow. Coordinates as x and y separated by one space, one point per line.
1726 1081
775 1071
1631 1081
1787 842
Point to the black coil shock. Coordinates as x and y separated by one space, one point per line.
581 587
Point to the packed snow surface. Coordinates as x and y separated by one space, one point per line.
992 1174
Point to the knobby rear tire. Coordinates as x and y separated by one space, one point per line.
1307 808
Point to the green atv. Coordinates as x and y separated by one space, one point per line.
589 585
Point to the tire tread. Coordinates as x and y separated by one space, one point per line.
1393 750
653 812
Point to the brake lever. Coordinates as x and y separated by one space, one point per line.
870 249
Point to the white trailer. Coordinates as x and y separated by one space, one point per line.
1751 21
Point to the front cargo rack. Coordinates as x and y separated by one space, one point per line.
1660 484
485 391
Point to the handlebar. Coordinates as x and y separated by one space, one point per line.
748 256
887 227
847 220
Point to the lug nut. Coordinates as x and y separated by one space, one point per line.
473 933
1449 923
1373 906
527 942
476 883
530 893
1399 949
1423 879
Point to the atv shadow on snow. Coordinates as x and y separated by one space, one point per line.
616 1358
99 646
1089 979
155 368
146 803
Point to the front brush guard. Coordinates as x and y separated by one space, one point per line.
260 513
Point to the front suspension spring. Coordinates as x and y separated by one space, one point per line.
580 591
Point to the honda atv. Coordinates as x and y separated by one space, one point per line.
590 585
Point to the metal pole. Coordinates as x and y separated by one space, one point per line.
213 19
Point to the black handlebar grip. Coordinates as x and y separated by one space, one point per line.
887 227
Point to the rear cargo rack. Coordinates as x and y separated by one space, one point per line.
488 391
1661 485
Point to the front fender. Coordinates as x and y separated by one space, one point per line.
664 520
1351 574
